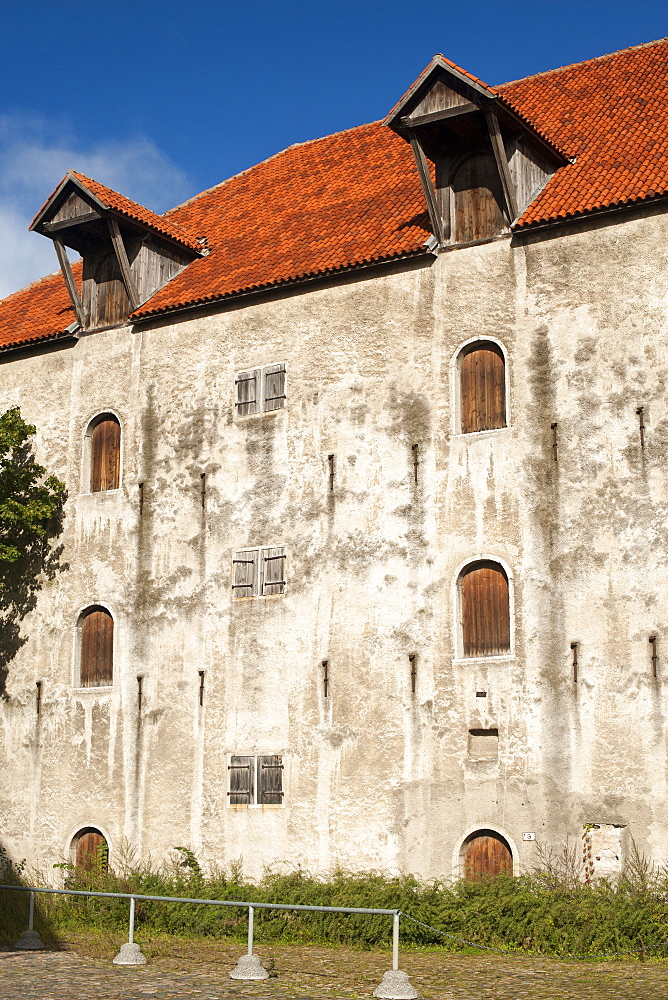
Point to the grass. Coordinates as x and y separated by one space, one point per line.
549 911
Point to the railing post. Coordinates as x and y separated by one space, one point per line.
30 939
396 985
249 965
130 953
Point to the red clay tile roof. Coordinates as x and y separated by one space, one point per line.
118 202
611 114
40 311
354 198
349 199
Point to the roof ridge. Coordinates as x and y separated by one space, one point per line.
32 284
583 62
267 159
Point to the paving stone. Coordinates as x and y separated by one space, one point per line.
334 974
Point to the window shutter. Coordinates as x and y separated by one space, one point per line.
245 565
242 781
273 571
274 387
270 780
105 455
248 392
97 649
483 389
485 610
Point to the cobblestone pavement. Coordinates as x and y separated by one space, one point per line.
330 974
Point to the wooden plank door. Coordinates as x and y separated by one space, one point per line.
482 375
485 609
486 855
105 455
97 649
478 200
92 851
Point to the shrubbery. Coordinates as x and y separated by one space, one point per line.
550 911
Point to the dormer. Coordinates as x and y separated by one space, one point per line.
480 163
127 252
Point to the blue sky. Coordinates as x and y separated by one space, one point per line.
163 99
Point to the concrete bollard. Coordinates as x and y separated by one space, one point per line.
130 953
30 939
249 966
396 986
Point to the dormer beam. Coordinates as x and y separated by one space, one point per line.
72 289
78 220
428 190
123 263
502 164
438 116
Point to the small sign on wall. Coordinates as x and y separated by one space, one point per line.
528 836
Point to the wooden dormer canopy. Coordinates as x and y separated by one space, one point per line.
128 252
489 162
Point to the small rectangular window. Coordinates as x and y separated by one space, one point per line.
259 572
248 392
256 781
260 390
483 744
245 564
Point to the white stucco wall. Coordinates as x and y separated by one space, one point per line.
374 775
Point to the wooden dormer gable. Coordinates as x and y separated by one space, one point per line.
127 252
480 163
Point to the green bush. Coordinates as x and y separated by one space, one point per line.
548 912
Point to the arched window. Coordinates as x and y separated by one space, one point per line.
486 854
485 609
90 850
105 453
96 651
482 387
478 201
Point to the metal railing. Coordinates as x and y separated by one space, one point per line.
390 991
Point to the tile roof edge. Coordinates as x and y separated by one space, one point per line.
146 316
18 345
267 159
613 206
583 62
31 285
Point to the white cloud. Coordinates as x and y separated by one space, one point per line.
34 156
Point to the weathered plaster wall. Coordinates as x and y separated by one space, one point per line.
374 775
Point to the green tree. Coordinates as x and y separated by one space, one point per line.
31 515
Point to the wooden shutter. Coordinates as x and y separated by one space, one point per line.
273 571
248 392
97 648
486 855
242 781
245 565
485 610
105 463
270 781
92 851
274 387
483 389
478 200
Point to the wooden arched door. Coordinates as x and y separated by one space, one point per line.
486 854
92 850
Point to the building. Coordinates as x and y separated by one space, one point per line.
365 547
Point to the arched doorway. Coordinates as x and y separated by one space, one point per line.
486 854
91 851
